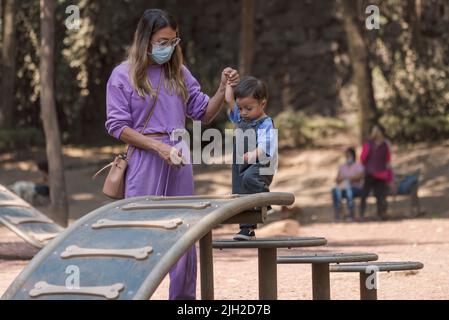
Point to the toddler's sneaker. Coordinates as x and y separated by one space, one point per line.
245 235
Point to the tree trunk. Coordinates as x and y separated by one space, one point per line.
362 76
247 37
8 65
59 206
1 24
414 19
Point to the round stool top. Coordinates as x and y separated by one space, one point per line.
377 266
269 243
328 258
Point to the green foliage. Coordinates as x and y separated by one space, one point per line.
423 128
85 58
410 71
410 76
298 129
20 138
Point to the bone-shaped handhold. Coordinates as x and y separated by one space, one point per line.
161 224
43 236
145 206
108 292
14 203
75 251
197 197
19 220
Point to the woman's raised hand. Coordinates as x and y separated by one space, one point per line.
230 76
171 155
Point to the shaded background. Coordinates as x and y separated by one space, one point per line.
329 79
300 50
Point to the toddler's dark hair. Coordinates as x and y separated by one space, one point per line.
251 87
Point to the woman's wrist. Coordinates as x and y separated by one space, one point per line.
222 89
221 94
153 145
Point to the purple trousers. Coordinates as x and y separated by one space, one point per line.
147 174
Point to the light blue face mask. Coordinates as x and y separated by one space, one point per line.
160 54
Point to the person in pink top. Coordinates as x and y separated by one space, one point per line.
349 184
376 157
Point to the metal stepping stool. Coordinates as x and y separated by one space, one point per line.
267 253
368 269
320 268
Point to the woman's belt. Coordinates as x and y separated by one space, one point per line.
156 134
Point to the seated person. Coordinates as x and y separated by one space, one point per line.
35 193
349 184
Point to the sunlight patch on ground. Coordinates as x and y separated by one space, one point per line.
6 157
22 165
73 151
82 196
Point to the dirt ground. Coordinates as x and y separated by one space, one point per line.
235 271
309 175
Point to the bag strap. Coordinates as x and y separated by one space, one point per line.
150 114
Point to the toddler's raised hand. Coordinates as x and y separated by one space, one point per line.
229 94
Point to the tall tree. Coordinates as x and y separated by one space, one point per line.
1 21
413 10
247 37
59 205
8 65
362 76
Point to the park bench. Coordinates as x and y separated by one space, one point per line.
408 185
368 291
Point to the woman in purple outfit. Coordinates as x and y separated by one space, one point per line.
153 168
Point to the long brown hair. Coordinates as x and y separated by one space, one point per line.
151 22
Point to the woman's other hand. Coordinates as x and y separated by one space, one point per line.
171 155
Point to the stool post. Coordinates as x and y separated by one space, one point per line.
321 281
365 292
267 273
206 267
